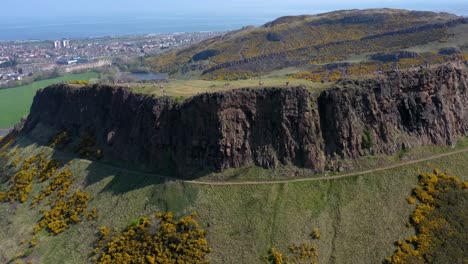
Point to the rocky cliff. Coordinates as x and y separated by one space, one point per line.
265 127
399 111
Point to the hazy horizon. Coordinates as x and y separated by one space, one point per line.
272 8
49 19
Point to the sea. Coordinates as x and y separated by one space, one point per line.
44 28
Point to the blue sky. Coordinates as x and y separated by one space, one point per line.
270 8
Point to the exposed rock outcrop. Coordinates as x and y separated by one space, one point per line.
266 127
400 111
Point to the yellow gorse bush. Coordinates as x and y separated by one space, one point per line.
174 241
432 227
304 253
65 208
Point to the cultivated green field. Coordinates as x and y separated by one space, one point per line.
358 217
15 102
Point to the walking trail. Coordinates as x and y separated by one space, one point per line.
347 175
352 174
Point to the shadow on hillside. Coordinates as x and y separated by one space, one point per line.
119 179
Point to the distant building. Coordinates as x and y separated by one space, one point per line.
69 61
57 44
66 61
81 60
65 43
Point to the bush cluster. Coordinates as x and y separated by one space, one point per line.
173 241
87 149
63 207
80 82
60 140
304 253
58 186
323 42
48 168
230 75
439 221
63 213
322 73
21 182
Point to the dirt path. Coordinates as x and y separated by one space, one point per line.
347 175
402 164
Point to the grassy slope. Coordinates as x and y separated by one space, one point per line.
294 33
458 38
359 217
15 102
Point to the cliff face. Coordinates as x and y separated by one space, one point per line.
397 112
208 132
266 127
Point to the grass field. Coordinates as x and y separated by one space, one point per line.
187 88
458 38
15 102
359 217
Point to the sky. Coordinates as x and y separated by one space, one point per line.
266 8
54 19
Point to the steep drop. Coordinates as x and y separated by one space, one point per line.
265 127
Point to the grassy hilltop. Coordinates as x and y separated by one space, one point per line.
302 41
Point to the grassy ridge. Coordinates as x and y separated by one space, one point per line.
302 40
15 102
359 217
187 88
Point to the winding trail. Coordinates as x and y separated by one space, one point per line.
393 166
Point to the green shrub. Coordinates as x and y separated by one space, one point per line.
367 139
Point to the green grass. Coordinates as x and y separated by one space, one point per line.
187 88
15 102
458 38
359 217
255 173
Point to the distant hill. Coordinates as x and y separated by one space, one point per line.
304 40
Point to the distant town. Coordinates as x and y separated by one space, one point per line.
26 59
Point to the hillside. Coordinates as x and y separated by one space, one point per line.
263 127
306 40
359 217
329 173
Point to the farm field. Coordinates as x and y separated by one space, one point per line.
15 102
